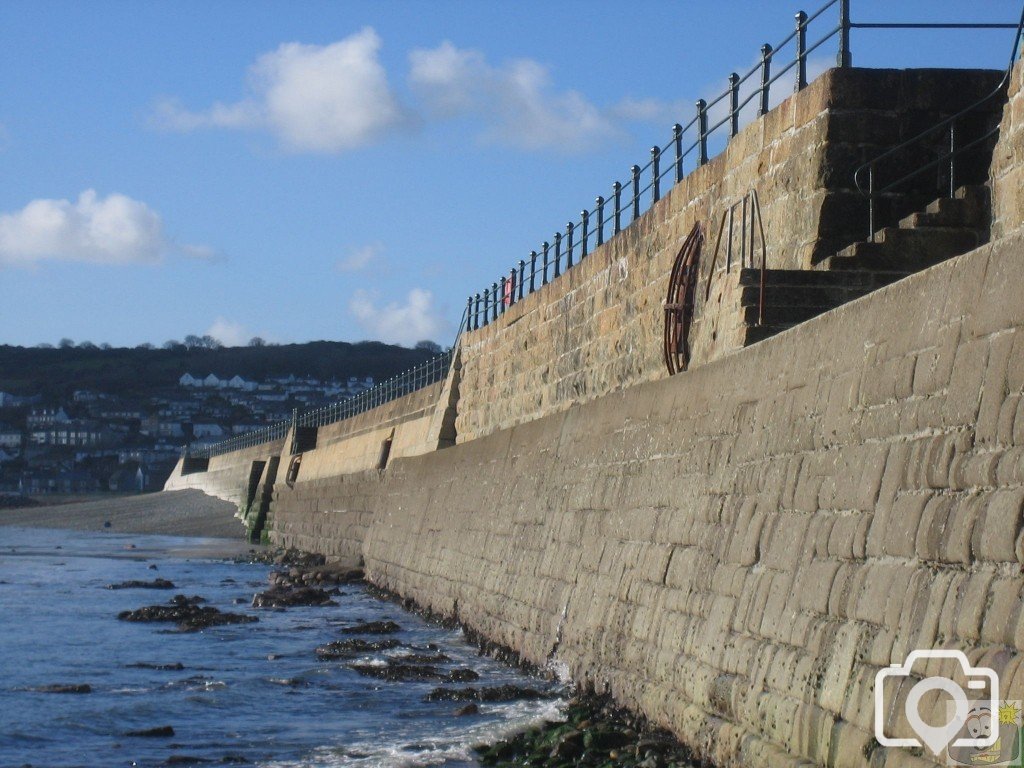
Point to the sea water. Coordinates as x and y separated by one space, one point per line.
247 694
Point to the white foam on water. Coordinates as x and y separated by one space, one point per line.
451 745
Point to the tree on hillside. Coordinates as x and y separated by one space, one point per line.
257 341
66 343
429 346
86 345
145 345
173 344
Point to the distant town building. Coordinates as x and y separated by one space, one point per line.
207 430
10 439
8 400
44 417
72 434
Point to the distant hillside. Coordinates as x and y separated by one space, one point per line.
56 373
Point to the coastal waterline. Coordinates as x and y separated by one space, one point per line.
248 693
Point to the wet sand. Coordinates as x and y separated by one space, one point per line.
169 513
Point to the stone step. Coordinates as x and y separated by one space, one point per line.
968 210
796 278
756 333
809 295
784 314
905 249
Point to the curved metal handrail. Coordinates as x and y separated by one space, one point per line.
947 124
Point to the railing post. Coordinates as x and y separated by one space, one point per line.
545 251
558 254
702 129
871 203
655 174
469 314
801 51
522 276
476 314
845 58
487 306
600 220
569 229
503 289
495 298
766 76
952 159
585 219
734 104
533 271
617 197
677 139
635 171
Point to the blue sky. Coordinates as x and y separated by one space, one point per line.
346 170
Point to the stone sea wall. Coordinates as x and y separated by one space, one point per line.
1007 174
229 476
598 327
737 550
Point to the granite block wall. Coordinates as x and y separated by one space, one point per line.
737 550
599 326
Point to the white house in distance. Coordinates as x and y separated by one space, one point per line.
212 381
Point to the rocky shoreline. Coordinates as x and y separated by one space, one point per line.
595 733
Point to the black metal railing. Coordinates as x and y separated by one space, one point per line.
423 375
267 434
429 372
689 147
949 131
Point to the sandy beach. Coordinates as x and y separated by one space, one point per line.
169 513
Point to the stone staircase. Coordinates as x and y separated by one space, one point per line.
947 227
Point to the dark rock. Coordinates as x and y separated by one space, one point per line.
134 584
184 600
372 628
162 731
153 567
395 671
493 693
64 688
346 649
106 523
423 658
283 597
469 709
184 612
175 667
185 760
569 745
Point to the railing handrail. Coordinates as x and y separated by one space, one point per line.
423 375
947 122
751 205
645 180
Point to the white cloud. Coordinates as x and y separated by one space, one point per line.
358 259
228 333
515 100
313 98
405 322
101 230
